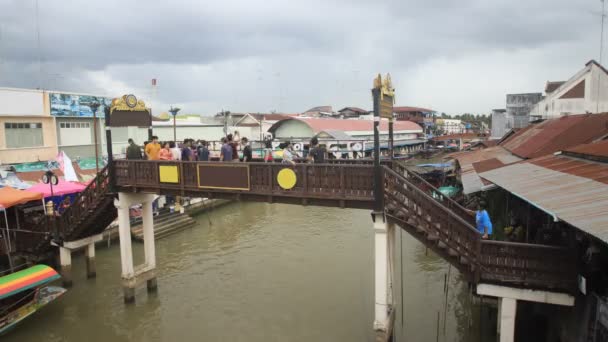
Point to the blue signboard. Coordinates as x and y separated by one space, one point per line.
69 105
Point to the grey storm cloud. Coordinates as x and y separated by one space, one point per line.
289 55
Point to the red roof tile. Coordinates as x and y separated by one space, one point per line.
555 135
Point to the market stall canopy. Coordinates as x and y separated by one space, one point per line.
62 188
11 196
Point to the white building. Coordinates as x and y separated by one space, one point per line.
451 126
585 92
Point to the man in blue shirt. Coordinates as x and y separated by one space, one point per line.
482 219
226 151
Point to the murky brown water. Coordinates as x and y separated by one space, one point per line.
261 272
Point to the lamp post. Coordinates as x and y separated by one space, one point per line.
94 106
173 112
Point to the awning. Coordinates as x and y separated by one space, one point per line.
10 197
569 189
26 279
62 188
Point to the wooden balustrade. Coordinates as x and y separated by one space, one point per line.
528 264
322 181
507 263
416 179
412 204
437 220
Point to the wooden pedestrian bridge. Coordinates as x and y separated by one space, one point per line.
437 221
407 201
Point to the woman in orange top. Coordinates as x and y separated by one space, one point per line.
165 153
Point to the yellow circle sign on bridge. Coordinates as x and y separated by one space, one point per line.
287 179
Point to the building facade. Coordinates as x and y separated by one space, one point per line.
27 130
585 92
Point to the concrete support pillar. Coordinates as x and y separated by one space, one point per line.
383 278
149 243
132 276
508 308
507 304
126 250
90 256
65 261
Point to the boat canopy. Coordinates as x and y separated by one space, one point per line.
26 279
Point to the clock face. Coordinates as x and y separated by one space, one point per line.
131 101
45 179
54 180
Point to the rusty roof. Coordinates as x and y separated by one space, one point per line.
468 161
596 149
557 134
570 189
552 86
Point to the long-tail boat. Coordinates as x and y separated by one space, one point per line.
24 292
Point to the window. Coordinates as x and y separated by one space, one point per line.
23 134
75 125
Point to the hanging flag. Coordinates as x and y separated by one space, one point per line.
65 165
154 82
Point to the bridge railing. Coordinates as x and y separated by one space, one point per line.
83 204
519 264
437 219
530 264
349 182
416 179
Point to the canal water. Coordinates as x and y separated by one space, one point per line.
262 272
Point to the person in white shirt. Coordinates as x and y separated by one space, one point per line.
288 154
175 151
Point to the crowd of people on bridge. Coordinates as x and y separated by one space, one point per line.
233 149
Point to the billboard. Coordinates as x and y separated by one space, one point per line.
69 105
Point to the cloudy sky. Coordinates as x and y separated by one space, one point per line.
454 56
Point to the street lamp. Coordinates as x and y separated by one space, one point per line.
173 112
94 106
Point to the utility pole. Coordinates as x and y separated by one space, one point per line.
94 106
173 112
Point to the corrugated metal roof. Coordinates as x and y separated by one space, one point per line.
570 189
471 182
597 149
574 166
557 134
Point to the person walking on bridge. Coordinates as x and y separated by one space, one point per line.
288 154
226 151
133 151
165 152
482 219
317 153
153 149
247 152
